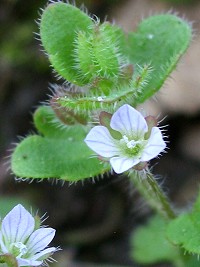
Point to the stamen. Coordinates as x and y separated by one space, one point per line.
18 249
131 144
125 138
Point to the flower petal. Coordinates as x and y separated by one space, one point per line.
27 262
154 146
129 121
17 225
122 164
100 141
40 239
44 254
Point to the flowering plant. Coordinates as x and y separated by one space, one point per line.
20 240
107 75
136 144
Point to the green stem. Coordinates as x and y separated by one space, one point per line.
148 187
151 191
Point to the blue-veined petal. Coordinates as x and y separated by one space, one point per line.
28 262
129 121
44 253
17 225
154 146
40 239
100 141
122 164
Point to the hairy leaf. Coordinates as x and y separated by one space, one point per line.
185 230
149 243
159 40
59 153
59 25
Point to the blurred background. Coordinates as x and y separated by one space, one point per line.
94 220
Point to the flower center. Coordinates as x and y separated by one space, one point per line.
132 148
18 249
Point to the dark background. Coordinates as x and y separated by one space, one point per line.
94 220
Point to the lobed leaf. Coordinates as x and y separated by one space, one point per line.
39 157
159 40
59 25
79 49
59 153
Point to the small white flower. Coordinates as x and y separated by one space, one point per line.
133 147
19 238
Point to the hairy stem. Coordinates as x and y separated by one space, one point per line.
148 187
151 191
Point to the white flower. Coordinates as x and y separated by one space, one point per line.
19 238
135 144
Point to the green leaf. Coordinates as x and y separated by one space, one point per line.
59 25
83 51
50 126
96 53
39 157
154 50
159 40
149 243
185 230
59 153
